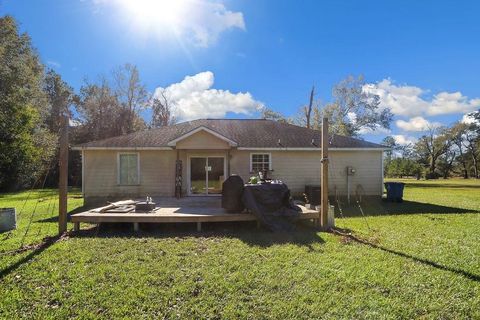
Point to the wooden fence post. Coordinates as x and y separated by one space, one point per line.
63 176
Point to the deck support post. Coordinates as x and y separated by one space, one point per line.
76 226
136 227
323 214
199 226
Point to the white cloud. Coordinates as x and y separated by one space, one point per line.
198 21
402 100
379 130
211 20
404 140
445 103
416 124
410 101
193 98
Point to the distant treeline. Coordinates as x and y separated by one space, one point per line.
442 152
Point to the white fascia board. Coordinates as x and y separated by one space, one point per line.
358 149
311 149
278 149
122 148
232 143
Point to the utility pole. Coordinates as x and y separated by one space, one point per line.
63 176
324 178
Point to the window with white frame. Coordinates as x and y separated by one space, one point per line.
128 169
260 162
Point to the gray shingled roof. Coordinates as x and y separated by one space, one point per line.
247 133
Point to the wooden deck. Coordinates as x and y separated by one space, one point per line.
170 210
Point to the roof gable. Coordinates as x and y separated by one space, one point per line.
230 142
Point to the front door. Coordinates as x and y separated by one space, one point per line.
206 175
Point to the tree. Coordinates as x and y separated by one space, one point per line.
476 119
457 137
472 143
59 97
446 160
431 146
309 116
22 109
132 95
389 142
401 167
407 151
306 111
269 114
162 113
354 109
99 112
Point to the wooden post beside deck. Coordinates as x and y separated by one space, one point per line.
63 177
324 178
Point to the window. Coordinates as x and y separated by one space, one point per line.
260 162
128 168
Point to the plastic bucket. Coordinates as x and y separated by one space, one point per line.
8 219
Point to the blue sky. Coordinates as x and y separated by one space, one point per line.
422 57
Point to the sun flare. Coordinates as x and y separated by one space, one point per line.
147 13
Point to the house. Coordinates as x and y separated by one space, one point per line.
146 163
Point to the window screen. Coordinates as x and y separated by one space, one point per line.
260 162
128 166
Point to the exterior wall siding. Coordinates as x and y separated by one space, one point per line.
298 168
157 174
368 175
295 168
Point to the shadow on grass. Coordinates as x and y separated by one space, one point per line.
443 185
347 233
304 235
74 211
38 249
378 207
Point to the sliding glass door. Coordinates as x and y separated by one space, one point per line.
206 175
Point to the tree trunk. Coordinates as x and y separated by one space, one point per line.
432 165
449 166
465 170
475 166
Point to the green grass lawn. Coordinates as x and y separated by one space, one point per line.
417 259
